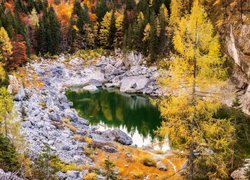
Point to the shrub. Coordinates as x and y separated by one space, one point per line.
8 155
88 140
109 167
148 161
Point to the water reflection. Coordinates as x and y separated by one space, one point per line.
132 114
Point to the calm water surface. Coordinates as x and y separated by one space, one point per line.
133 114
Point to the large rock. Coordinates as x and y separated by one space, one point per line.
109 69
8 175
13 84
243 172
161 166
74 175
93 73
118 136
239 174
90 88
134 83
20 96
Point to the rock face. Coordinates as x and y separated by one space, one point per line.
238 47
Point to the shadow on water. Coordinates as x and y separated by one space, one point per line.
131 113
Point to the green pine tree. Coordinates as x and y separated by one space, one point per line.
112 30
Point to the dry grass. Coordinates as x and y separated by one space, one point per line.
34 82
67 123
90 176
78 137
133 168
71 127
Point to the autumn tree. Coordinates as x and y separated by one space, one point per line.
90 35
197 68
105 30
64 11
146 37
5 52
33 18
176 12
6 105
19 56
5 46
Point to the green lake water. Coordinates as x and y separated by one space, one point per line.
133 114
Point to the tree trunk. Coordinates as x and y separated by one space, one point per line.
5 125
191 164
191 146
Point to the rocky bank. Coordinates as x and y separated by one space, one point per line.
46 113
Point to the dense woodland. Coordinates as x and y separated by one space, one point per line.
186 30
41 27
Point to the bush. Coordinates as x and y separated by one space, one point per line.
148 161
8 155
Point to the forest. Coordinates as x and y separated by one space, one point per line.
185 38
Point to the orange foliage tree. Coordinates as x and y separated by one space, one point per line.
19 55
10 5
63 11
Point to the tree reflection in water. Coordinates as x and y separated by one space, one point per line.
130 113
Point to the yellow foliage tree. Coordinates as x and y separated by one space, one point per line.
5 46
6 105
34 20
163 13
175 9
105 28
146 32
5 52
90 34
2 73
197 68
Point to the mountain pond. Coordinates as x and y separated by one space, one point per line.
133 114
